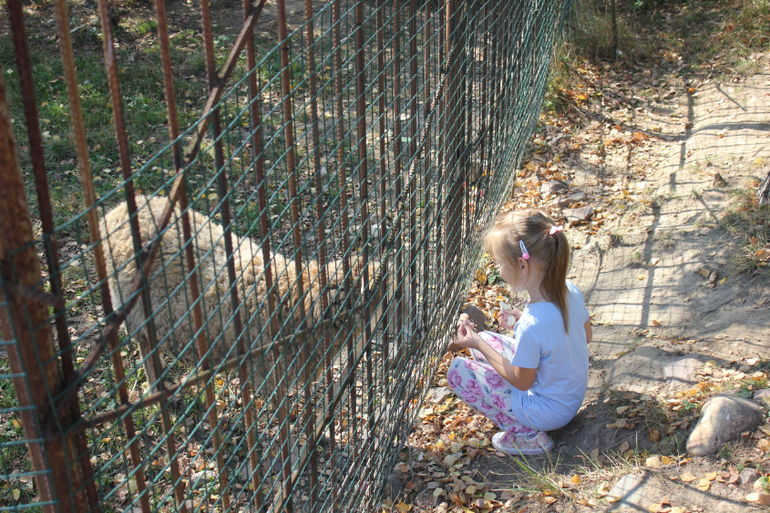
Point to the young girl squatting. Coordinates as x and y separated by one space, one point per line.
535 382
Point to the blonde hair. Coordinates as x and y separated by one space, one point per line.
533 227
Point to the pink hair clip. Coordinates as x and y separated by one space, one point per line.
524 252
555 229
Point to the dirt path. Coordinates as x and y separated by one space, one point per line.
675 319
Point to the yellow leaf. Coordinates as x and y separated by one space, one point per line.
437 492
481 277
704 485
724 279
654 508
687 477
403 508
16 494
705 273
212 196
471 490
759 161
710 476
575 479
667 460
490 496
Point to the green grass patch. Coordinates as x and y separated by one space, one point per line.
749 223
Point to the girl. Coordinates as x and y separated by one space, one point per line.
535 382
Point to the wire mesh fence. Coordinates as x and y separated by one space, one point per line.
248 320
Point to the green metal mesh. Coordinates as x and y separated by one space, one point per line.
402 184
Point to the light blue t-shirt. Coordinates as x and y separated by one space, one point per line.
561 360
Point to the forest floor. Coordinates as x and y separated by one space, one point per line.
668 156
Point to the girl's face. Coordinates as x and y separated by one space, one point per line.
511 277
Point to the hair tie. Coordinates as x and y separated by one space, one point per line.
555 229
524 252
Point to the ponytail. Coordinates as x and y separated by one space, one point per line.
546 243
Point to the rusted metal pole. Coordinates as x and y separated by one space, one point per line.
321 236
288 120
26 329
453 113
150 351
16 16
89 196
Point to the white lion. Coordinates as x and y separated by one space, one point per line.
172 301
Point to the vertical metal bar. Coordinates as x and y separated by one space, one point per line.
201 341
441 157
288 129
321 236
256 145
382 109
363 196
89 196
16 16
342 180
150 352
427 168
25 324
453 109
413 154
399 296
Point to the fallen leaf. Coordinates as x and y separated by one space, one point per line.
704 485
687 477
437 492
753 497
403 508
655 436
623 447
490 496
703 272
710 476
575 479
655 323
667 460
594 454
654 262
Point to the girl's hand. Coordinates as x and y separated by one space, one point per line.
508 318
466 337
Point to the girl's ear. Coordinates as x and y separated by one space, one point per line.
522 265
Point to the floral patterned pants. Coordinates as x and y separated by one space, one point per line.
477 383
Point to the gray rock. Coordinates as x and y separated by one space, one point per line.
763 397
631 491
202 477
680 373
722 419
748 476
553 186
639 371
575 198
439 394
578 215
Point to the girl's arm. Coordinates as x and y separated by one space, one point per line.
589 331
521 378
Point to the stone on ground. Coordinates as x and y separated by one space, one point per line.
762 396
722 419
630 490
578 215
575 198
